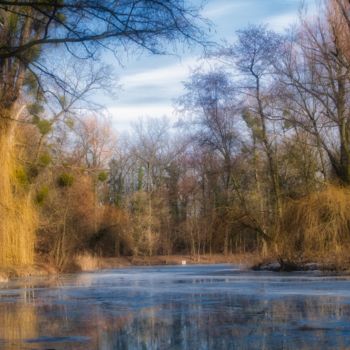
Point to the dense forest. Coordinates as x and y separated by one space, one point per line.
258 161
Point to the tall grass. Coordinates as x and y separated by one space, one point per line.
87 262
17 214
318 224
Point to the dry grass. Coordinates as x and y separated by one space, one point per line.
18 218
87 262
317 225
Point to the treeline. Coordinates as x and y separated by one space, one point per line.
51 64
259 159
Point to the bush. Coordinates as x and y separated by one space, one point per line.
21 176
42 195
102 176
316 224
45 159
65 180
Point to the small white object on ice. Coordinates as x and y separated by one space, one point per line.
3 278
183 262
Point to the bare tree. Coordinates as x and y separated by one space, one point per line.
214 102
316 72
254 55
92 23
35 33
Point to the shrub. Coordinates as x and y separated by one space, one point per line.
42 195
316 224
102 176
45 159
65 180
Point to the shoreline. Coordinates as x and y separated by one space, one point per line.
251 261
88 263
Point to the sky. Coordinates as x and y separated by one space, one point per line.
150 84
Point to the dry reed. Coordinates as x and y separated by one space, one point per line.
17 213
87 262
316 224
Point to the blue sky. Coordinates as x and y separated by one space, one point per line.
150 84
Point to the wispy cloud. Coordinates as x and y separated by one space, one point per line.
282 21
218 9
150 84
123 116
159 76
152 89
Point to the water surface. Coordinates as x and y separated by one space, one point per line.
176 307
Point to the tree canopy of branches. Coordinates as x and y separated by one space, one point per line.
32 29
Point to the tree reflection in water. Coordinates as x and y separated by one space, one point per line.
168 308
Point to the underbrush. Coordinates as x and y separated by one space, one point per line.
18 217
316 228
87 262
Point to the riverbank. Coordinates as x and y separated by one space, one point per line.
333 262
86 262
40 269
253 261
91 263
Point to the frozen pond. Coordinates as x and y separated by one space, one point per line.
176 307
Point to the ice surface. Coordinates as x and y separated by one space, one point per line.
177 307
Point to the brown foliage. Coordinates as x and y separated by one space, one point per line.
18 219
316 224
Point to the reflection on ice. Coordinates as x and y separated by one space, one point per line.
184 307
